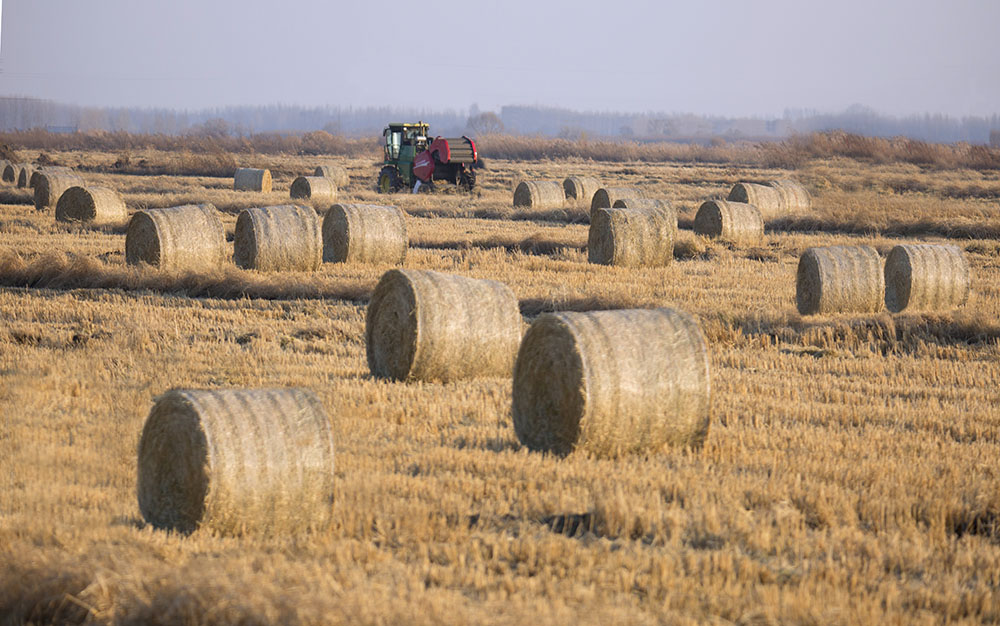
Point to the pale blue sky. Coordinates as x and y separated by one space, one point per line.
708 57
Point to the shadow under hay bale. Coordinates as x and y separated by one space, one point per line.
248 179
364 233
632 237
284 238
612 382
92 205
430 326
189 237
581 189
539 194
236 461
335 173
50 186
926 277
606 197
839 279
736 222
315 188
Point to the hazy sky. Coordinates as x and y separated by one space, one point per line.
703 56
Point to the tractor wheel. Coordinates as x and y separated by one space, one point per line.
388 180
467 179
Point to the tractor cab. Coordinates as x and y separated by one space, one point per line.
405 141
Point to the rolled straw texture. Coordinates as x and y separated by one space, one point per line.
927 277
335 173
8 171
236 461
581 188
632 237
425 325
315 188
91 204
737 222
52 169
765 197
278 238
24 174
49 186
189 237
364 233
794 197
839 279
612 382
539 194
605 197
247 179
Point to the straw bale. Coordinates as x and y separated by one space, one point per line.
189 237
247 179
539 194
737 222
612 382
926 277
278 238
53 169
24 174
49 186
425 325
364 233
766 198
839 279
335 173
91 204
581 188
235 461
632 237
605 197
794 197
315 188
8 171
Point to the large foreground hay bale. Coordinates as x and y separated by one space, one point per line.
648 203
247 179
839 279
236 461
794 197
24 174
425 325
364 233
284 238
91 204
632 237
8 171
929 277
605 197
335 173
189 237
612 382
539 194
737 222
581 189
315 188
49 186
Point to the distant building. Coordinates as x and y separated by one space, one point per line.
62 130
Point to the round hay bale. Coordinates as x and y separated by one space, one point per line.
605 197
49 186
335 173
766 198
928 277
284 238
737 222
581 188
247 179
315 188
539 194
91 204
189 237
839 279
612 382
24 175
632 237
425 325
640 203
8 171
236 461
364 233
794 197
33 180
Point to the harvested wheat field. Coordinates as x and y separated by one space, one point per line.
850 472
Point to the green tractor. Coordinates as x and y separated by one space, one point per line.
412 160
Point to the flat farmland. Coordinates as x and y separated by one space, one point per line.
850 474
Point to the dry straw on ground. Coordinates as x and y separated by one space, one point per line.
581 189
8 171
315 188
612 382
247 179
278 238
539 194
364 233
335 173
775 199
606 197
236 461
839 279
426 325
632 237
24 174
737 222
91 204
926 277
49 186
189 237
